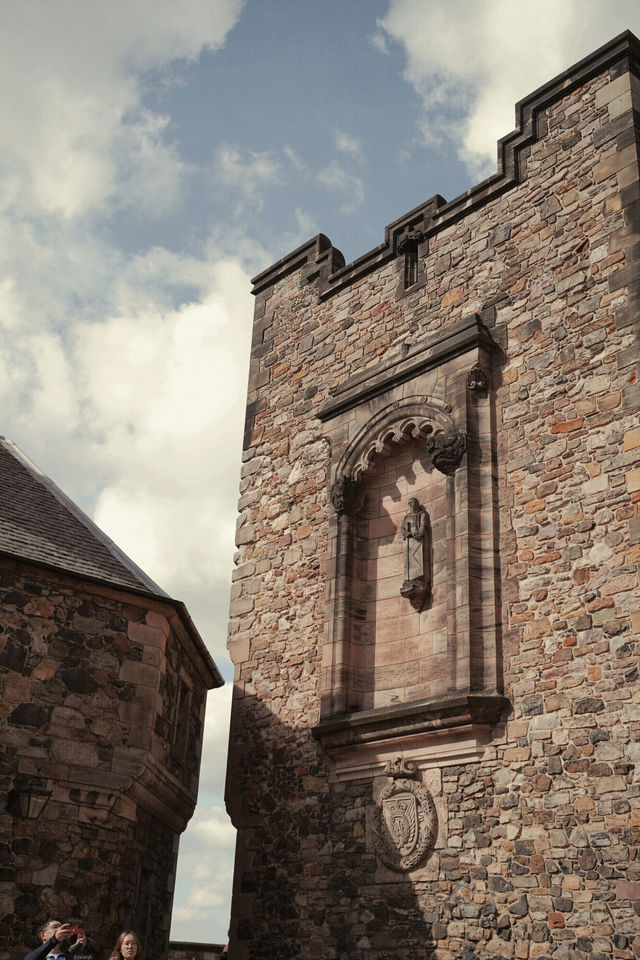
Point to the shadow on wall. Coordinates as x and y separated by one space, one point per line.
80 879
307 880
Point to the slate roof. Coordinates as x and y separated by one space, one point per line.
39 523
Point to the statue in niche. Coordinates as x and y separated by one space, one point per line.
416 533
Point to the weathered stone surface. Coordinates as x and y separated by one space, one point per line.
536 853
28 715
88 693
78 680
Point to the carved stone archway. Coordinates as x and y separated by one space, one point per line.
396 663
425 424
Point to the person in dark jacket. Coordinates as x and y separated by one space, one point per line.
53 933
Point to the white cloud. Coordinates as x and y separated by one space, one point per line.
294 158
164 392
149 400
74 133
301 227
77 142
470 62
53 381
305 223
336 178
379 42
342 176
216 737
149 165
250 176
123 375
350 145
204 881
213 826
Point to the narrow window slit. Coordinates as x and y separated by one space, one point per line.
410 265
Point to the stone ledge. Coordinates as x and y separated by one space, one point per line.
162 795
408 720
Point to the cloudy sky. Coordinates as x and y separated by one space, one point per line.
154 156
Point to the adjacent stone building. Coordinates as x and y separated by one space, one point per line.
435 614
103 682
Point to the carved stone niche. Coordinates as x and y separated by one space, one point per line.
411 652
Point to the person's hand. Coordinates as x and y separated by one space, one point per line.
63 932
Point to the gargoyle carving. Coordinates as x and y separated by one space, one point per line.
447 449
478 380
346 495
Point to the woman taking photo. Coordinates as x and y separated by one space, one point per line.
127 947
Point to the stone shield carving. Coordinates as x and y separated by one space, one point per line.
405 825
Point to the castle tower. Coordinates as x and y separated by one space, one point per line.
435 607
104 679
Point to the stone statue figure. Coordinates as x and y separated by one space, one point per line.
416 533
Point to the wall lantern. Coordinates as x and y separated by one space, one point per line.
29 800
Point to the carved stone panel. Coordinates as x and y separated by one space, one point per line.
405 819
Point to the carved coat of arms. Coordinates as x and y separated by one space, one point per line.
405 824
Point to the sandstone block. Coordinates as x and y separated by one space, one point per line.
159 621
142 674
147 634
611 91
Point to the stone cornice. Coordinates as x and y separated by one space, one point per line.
162 794
317 252
139 776
408 720
325 263
455 339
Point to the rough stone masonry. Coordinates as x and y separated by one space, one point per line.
450 770
103 684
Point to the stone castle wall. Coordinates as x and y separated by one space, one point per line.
514 690
92 680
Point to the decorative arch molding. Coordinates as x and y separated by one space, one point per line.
418 417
